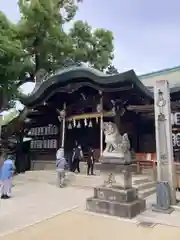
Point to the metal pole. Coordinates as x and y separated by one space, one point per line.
101 126
63 126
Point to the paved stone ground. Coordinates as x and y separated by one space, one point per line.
35 201
79 226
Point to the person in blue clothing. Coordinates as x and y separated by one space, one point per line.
6 174
60 166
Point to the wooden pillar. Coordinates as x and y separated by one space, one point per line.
62 120
101 126
63 125
0 125
1 149
117 120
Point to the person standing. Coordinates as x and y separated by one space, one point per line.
90 162
60 166
76 158
6 174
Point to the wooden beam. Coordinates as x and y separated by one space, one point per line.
89 115
150 107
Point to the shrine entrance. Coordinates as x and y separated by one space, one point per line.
85 132
76 102
85 129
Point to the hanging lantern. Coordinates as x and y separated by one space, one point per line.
79 125
85 122
97 120
90 124
99 108
114 107
74 123
69 126
114 111
62 114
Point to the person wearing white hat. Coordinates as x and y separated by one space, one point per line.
60 166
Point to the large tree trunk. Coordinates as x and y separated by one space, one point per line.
15 126
4 97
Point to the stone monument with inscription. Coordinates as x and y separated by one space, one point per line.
116 199
164 148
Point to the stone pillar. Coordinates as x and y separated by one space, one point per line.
164 148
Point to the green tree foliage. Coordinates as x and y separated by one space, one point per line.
42 32
12 61
39 41
92 47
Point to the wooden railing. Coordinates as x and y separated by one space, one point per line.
145 160
149 160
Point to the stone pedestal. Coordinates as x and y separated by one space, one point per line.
117 200
112 160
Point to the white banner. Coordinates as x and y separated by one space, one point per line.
176 140
175 119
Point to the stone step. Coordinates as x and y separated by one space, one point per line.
142 183
119 209
145 185
146 192
145 188
140 179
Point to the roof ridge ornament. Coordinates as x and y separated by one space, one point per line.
69 62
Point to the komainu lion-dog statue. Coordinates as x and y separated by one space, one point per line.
117 146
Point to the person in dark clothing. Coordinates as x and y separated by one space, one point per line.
77 156
90 162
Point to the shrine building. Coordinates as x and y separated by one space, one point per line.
71 106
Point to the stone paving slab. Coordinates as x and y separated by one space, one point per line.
34 202
79 226
76 180
161 218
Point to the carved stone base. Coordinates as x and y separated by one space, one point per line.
112 160
115 168
115 194
116 202
125 176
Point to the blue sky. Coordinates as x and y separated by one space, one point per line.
147 33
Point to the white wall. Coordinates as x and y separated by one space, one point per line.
173 76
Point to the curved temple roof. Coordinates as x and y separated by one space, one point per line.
71 79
